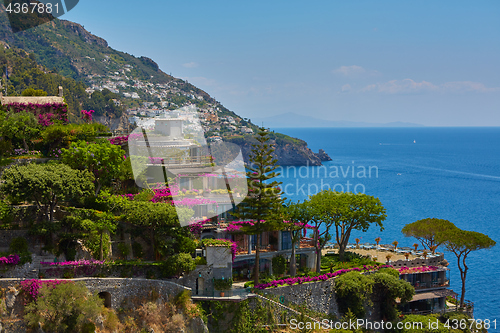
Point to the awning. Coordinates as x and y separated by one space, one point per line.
433 294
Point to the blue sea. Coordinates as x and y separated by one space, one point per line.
446 173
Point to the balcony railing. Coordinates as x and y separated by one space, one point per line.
430 284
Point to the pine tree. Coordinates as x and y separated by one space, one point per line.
262 205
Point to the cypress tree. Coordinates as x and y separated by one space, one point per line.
262 205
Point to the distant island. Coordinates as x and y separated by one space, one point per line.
291 119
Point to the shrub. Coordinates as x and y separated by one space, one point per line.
111 321
223 284
183 301
352 290
177 264
137 250
6 147
124 249
19 245
67 307
200 261
279 265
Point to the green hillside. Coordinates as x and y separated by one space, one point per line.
96 77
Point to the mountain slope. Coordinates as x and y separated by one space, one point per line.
67 49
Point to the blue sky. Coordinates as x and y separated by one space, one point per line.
434 63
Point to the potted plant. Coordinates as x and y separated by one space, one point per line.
222 285
425 253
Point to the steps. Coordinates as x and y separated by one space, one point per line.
34 267
288 309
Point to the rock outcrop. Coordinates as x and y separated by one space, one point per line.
323 156
287 154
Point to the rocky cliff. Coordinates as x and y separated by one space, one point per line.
288 152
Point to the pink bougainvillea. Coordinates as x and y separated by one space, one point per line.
46 113
87 115
196 228
324 277
81 262
12 259
119 140
422 269
32 287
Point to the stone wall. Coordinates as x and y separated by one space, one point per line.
6 237
18 271
318 296
200 281
119 289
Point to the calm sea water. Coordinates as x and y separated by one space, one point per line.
447 173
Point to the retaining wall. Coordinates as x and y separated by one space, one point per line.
317 296
119 289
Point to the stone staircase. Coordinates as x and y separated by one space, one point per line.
288 310
34 267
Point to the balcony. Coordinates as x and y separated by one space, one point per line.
437 284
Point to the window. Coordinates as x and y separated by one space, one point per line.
286 240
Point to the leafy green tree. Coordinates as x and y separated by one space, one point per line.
34 92
103 159
97 222
67 307
462 243
162 220
46 184
102 103
61 136
295 217
20 126
179 263
386 288
425 230
263 202
346 212
352 291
